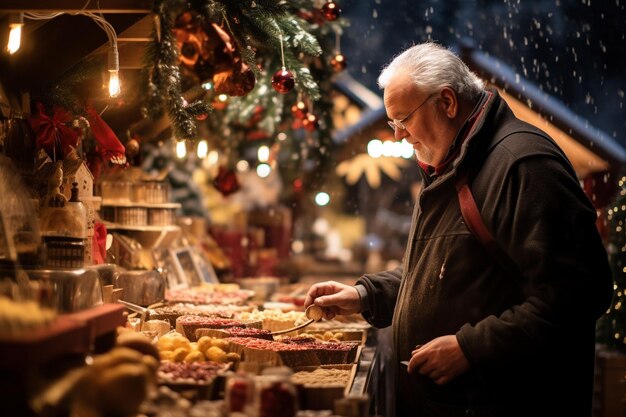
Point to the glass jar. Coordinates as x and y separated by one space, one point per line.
239 394
275 394
119 191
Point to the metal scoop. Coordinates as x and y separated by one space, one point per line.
144 312
312 312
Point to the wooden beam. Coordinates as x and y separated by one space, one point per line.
71 6
131 44
131 55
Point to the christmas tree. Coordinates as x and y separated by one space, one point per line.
611 328
240 74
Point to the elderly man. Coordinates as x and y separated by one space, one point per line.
494 310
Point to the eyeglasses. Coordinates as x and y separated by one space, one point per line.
396 124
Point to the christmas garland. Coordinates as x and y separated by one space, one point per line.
256 27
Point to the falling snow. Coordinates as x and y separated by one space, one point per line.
571 49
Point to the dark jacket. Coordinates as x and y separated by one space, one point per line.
529 339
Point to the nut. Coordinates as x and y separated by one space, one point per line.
314 312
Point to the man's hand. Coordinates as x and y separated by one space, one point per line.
441 359
334 298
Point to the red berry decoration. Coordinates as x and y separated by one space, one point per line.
310 123
331 11
299 110
283 81
202 116
338 62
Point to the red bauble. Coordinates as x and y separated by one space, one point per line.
338 62
331 11
298 185
299 110
202 116
226 181
283 81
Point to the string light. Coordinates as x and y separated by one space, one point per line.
263 170
113 59
322 198
181 149
16 21
263 153
114 71
203 149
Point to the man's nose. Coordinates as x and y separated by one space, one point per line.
400 134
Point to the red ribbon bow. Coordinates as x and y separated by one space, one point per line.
53 131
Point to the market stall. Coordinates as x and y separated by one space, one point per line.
151 259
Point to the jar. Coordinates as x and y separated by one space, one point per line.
119 191
239 393
64 252
275 394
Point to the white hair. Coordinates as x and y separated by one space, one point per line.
432 67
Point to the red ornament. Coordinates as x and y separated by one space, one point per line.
331 11
226 181
202 116
338 62
299 110
283 81
298 185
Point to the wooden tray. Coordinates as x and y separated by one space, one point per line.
201 390
349 335
295 359
189 330
315 397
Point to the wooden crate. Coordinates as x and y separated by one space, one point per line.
314 397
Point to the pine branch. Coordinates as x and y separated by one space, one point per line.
298 38
304 81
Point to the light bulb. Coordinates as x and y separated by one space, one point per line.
16 21
114 83
263 153
15 37
181 149
114 71
203 149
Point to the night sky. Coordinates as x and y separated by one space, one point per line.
572 49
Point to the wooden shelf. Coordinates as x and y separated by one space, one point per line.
115 226
63 337
70 334
110 203
100 320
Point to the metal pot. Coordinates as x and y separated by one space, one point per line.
107 272
142 287
69 290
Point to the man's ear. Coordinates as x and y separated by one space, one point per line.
449 102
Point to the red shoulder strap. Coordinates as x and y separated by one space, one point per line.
476 225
